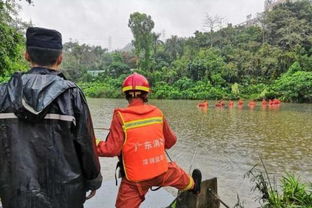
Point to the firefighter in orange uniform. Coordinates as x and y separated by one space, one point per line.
139 135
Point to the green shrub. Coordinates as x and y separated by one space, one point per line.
291 194
294 87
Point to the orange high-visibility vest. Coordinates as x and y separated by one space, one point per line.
143 151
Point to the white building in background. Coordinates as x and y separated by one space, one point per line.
270 4
94 73
252 20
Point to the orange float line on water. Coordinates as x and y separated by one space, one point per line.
264 102
231 103
240 103
203 104
274 102
252 104
220 104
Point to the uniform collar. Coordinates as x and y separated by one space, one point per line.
136 102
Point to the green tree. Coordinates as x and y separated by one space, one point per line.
12 40
174 47
290 24
156 41
80 58
206 65
117 67
141 26
294 87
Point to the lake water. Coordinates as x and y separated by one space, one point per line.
228 142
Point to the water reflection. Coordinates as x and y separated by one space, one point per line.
229 141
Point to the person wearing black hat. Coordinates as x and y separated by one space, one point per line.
47 143
44 48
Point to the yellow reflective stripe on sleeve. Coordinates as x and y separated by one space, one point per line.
190 185
123 124
122 119
142 122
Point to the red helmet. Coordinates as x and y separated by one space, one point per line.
135 81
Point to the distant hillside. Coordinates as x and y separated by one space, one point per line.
128 48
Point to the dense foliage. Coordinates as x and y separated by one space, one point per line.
266 60
272 58
12 40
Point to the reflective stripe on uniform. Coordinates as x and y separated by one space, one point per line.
143 88
61 117
7 115
142 122
146 89
135 168
190 185
48 116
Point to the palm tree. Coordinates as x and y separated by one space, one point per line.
174 47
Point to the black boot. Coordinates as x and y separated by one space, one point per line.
197 177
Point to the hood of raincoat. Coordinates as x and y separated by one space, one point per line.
30 95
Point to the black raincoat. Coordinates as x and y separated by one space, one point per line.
47 143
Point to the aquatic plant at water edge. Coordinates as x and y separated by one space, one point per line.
291 193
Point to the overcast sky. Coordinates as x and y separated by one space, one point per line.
94 21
